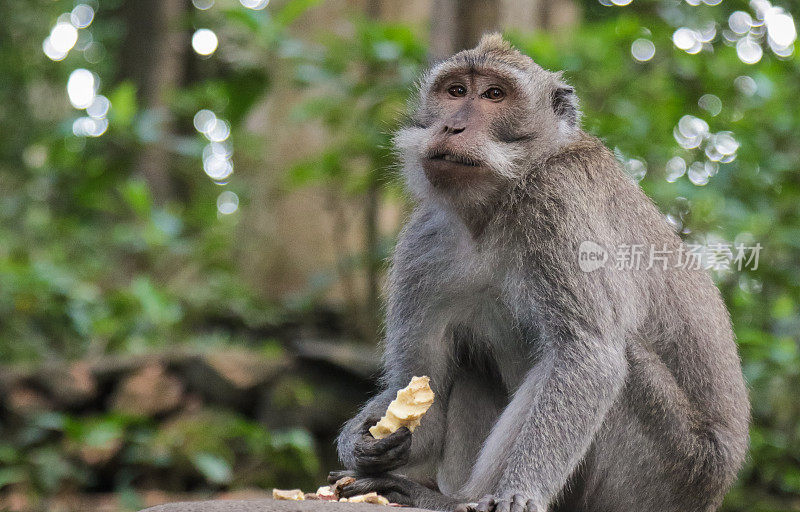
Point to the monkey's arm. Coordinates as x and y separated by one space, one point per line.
562 411
414 329
549 425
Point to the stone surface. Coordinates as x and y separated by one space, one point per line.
270 505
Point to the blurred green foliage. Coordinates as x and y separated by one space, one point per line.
361 85
58 451
90 263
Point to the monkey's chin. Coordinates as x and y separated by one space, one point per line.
446 174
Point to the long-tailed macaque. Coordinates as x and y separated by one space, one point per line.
618 389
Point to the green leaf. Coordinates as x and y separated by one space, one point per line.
11 476
293 10
137 196
123 104
215 469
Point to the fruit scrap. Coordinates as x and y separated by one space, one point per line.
326 493
372 497
292 495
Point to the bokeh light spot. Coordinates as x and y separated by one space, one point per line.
220 131
227 202
217 167
257 5
89 127
81 88
697 174
675 168
740 22
710 103
780 28
746 85
749 51
51 51
643 49
204 41
204 120
63 37
82 16
203 5
687 40
636 169
99 107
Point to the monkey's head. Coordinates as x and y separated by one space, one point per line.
481 118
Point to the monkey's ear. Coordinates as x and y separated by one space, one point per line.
565 105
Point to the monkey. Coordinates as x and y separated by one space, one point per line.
557 389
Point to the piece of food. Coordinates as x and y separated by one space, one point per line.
293 494
372 497
326 493
342 482
406 410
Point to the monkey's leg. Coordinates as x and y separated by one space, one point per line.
665 444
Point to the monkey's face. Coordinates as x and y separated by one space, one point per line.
483 117
468 111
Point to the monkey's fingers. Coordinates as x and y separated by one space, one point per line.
518 503
333 476
400 436
466 507
486 504
390 488
364 485
371 447
369 423
502 506
383 463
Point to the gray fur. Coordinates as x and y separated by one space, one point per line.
615 390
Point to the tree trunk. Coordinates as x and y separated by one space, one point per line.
154 59
459 24
372 236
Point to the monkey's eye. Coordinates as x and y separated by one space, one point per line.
494 93
457 91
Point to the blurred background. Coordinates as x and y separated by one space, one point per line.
197 200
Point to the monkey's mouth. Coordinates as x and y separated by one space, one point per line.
453 158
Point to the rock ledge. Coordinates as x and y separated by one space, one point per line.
270 505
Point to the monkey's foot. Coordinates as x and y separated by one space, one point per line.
395 488
491 503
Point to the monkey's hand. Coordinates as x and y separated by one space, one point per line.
492 503
376 456
395 488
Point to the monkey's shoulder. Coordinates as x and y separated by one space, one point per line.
586 161
574 181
